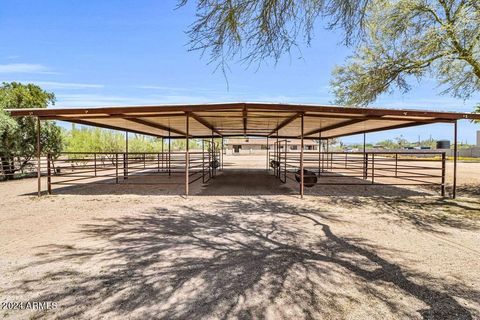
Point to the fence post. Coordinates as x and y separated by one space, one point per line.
319 152
322 169
443 175
221 153
214 156
49 174
302 175
328 155
187 153
125 162
39 166
373 168
203 161
268 156
116 167
169 153
396 165
455 155
285 163
365 166
277 148
95 163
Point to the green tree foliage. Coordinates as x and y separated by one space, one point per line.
477 110
407 39
87 139
254 30
91 139
401 143
395 40
179 144
18 135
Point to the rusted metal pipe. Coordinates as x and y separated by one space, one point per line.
455 151
39 166
301 158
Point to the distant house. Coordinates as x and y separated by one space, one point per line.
257 145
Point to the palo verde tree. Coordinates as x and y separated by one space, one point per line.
394 40
408 39
18 135
256 30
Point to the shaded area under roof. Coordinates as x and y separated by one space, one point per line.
245 119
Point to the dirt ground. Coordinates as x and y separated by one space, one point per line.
243 246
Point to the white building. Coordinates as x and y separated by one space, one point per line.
259 145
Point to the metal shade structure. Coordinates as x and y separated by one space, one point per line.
245 119
276 120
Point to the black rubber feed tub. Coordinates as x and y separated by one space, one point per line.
309 178
274 164
214 164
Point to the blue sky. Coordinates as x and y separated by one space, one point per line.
123 52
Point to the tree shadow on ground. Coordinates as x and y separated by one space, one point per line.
424 213
247 259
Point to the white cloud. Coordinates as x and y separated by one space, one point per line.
24 68
98 100
52 85
66 85
193 89
165 88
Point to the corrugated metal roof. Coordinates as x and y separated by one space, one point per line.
246 119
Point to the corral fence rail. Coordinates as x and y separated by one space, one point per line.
71 168
360 168
17 167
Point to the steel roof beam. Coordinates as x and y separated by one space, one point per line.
286 122
337 125
205 123
157 126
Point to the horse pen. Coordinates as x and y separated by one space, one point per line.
199 233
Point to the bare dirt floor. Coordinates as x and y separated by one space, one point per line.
243 246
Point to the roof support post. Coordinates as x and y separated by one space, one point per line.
301 159
39 167
187 154
455 152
